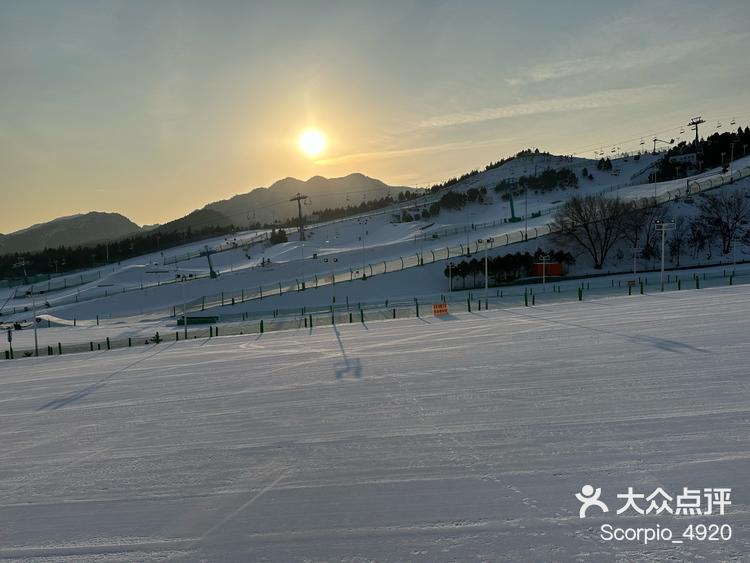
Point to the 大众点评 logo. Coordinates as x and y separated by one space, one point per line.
691 502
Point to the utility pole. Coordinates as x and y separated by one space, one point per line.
663 226
363 222
486 242
526 210
544 258
33 307
298 198
526 213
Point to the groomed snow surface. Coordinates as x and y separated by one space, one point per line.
455 439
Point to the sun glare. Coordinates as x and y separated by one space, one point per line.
312 142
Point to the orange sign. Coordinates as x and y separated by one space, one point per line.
439 309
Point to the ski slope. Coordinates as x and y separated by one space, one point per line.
462 439
341 247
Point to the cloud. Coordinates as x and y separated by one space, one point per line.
399 153
595 100
667 52
626 60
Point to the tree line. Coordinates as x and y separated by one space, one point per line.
597 225
506 268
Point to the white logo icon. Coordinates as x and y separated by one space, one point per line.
590 497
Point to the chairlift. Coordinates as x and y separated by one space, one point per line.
733 122
682 130
718 124
642 141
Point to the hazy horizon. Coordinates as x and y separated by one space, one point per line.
152 110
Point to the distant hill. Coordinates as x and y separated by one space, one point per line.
195 221
263 205
73 230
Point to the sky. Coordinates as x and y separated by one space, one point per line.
155 108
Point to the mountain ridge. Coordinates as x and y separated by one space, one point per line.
259 205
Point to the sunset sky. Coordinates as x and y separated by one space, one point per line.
155 108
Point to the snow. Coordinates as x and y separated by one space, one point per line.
339 246
414 440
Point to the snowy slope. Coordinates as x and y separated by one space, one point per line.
426 440
340 246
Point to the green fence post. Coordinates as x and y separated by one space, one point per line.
109 347
311 321
394 313
362 315
641 288
580 294
351 319
525 298
261 325
697 282
533 299
630 290
679 284
468 304
130 342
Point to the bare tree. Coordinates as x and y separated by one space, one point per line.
699 238
678 240
639 225
726 214
593 222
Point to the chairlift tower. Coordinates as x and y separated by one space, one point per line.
694 123
22 263
299 198
212 273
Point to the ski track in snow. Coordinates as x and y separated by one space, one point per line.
462 439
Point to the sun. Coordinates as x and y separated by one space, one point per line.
312 142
